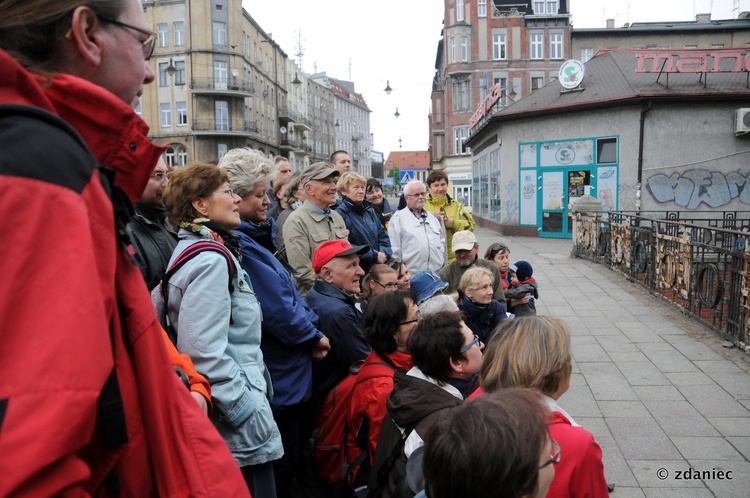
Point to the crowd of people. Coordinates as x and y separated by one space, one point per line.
197 319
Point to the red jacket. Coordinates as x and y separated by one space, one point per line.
70 296
580 472
368 401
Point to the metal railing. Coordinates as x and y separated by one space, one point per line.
699 262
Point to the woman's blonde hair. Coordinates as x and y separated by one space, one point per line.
348 179
472 278
531 351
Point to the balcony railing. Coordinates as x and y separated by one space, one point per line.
222 85
700 263
228 126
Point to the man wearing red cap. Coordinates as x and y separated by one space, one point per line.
334 297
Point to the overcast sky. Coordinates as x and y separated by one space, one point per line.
396 40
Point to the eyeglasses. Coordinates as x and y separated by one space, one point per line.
420 194
473 343
386 286
227 191
159 176
148 44
554 457
417 319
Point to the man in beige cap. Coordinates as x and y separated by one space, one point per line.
312 223
466 248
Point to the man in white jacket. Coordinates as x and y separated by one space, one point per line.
417 237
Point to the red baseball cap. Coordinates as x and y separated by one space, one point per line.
334 249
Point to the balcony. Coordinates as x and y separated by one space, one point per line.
233 87
236 127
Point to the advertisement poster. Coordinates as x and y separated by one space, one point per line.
528 198
552 190
607 185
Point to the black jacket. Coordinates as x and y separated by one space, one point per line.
415 403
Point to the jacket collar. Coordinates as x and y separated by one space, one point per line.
118 137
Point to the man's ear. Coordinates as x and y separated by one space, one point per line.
86 33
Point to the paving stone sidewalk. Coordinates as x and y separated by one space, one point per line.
661 395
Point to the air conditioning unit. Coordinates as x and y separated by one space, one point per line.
742 121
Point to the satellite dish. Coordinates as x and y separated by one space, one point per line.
282 129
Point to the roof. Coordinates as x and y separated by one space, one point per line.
611 80
408 159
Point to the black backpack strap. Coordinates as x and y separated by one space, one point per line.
189 253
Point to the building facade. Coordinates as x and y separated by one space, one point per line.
518 45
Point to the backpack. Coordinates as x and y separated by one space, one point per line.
161 291
331 425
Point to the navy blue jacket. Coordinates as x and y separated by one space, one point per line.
340 321
482 319
365 228
289 325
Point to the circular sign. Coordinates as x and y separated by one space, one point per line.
571 74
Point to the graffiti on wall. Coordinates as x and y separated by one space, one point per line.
691 188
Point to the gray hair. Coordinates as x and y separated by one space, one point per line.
245 168
411 184
441 302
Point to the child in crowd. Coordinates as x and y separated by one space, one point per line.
522 285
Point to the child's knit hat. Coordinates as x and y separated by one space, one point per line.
522 269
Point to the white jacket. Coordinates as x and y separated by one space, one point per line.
419 242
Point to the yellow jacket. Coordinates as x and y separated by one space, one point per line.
462 219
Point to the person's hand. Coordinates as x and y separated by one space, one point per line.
382 258
198 397
320 350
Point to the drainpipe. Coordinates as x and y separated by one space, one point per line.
644 109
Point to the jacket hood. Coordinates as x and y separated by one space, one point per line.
413 399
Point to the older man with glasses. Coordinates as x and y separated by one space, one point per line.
417 237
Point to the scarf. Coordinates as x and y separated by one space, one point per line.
217 232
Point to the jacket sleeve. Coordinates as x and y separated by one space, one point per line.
463 220
202 332
394 229
198 383
298 254
56 351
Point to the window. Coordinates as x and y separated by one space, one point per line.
459 10
460 133
606 151
586 54
166 115
556 46
464 48
220 33
461 94
538 7
551 6
221 113
162 29
179 33
163 74
499 47
537 82
179 72
221 75
453 49
181 113
537 46
481 8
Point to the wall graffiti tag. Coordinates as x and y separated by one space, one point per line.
691 188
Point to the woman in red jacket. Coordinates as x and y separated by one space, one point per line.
386 324
534 352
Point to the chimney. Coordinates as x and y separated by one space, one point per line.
703 18
610 23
